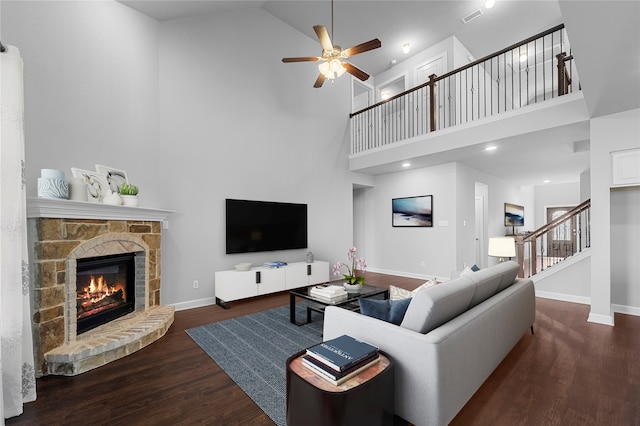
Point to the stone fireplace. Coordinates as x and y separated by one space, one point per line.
65 234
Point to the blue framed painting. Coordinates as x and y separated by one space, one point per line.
412 211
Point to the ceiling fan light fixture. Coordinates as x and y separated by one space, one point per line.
333 57
335 65
324 68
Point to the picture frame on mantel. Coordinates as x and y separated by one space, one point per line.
97 185
115 177
414 211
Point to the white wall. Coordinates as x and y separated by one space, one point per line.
585 185
625 246
499 192
554 195
450 243
91 88
609 133
238 123
196 111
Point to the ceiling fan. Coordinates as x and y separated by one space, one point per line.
333 57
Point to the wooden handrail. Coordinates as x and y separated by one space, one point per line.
557 221
538 235
458 70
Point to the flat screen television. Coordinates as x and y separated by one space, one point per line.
513 215
255 226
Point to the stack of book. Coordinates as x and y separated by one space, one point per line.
274 265
337 360
329 293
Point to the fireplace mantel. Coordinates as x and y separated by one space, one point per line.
66 209
60 232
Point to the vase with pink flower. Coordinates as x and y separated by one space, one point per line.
354 276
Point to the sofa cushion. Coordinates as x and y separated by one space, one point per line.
486 282
397 293
509 272
392 311
436 305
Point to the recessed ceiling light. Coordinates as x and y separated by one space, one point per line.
546 181
489 3
385 95
406 48
491 148
406 164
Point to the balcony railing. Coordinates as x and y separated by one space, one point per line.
532 71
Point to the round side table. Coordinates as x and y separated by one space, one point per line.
367 398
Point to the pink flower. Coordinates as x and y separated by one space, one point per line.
351 276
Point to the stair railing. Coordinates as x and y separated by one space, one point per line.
519 75
555 241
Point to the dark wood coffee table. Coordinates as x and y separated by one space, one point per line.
319 305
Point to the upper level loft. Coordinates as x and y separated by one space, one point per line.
533 81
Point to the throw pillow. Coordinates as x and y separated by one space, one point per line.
397 293
466 271
386 310
475 268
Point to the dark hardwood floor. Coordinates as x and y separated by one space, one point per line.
570 372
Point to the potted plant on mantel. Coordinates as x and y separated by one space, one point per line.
129 194
353 281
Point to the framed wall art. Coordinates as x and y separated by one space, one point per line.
97 185
115 177
412 211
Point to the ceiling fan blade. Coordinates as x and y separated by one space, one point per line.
319 81
355 71
323 36
363 47
301 59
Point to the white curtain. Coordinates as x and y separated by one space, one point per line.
17 378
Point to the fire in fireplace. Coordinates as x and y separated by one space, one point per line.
105 289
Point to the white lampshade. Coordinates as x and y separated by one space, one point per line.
502 247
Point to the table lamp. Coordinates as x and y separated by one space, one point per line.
502 247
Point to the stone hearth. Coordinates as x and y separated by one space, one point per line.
60 232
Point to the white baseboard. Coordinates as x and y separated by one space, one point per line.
583 300
601 319
198 303
408 274
629 310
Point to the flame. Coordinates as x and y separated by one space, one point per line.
98 289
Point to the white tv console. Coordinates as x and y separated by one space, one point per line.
235 285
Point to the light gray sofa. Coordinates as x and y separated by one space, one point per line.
452 337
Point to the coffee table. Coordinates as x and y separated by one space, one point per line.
319 305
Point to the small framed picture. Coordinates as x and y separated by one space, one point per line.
97 185
412 211
115 177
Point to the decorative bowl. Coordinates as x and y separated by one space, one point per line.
243 267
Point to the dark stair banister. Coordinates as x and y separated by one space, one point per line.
539 234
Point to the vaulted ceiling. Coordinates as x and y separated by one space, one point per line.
604 37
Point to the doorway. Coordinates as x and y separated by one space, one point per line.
480 224
562 238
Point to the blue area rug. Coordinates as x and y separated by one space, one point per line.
253 351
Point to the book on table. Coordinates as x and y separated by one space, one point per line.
335 377
342 352
329 293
